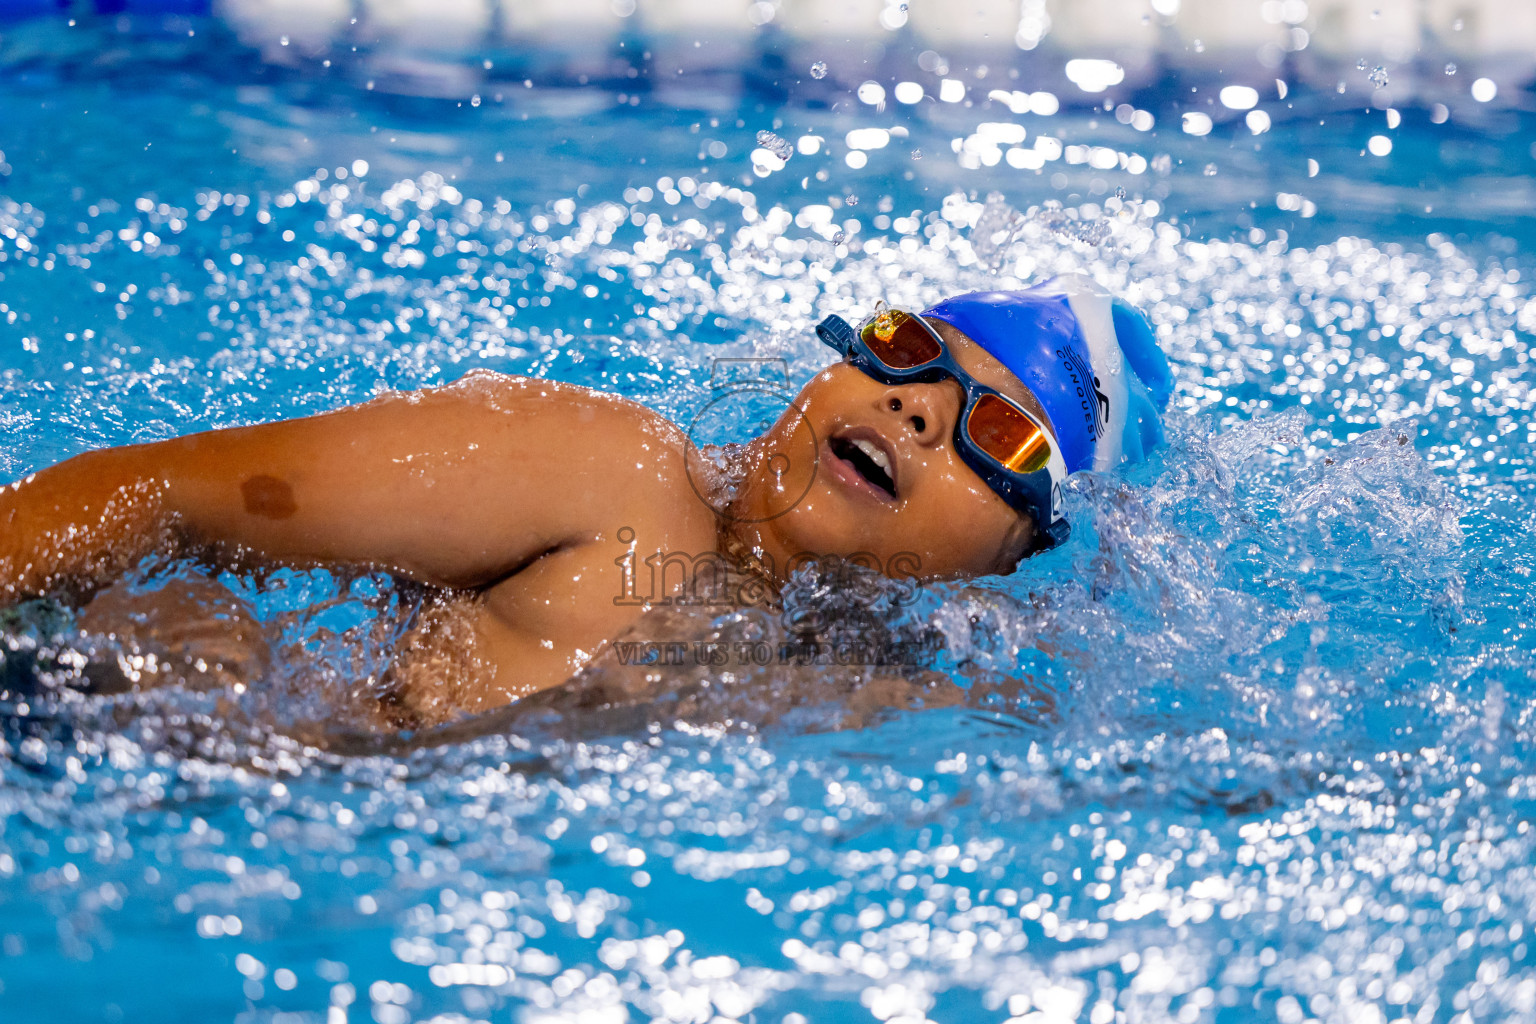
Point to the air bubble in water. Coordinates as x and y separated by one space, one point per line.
1210 170
1450 68
1360 64
1120 192
1379 77
775 145
840 237
917 154
819 69
852 200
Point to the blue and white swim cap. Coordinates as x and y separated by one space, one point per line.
1089 358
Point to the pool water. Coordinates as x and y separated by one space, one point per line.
1255 744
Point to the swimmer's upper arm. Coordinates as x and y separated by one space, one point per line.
454 486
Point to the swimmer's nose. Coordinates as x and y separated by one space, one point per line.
927 411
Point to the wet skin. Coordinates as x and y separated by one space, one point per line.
527 493
941 521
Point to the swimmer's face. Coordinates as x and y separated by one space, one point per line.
886 480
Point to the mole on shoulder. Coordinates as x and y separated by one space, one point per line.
269 497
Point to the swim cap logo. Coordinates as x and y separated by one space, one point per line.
1096 407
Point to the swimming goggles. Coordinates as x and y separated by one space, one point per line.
1003 443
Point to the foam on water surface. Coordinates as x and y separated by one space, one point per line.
1257 740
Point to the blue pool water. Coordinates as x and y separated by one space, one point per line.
1255 744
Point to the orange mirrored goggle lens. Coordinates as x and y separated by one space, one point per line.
1007 435
899 341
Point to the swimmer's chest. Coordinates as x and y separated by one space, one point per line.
546 621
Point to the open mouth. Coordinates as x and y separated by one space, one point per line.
868 459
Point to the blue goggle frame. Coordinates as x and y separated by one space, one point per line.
1037 493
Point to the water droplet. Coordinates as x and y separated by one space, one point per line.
1360 64
840 237
1120 192
474 101
917 154
1450 68
1379 77
819 69
774 144
852 200
1210 170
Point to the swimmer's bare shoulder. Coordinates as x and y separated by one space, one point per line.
514 487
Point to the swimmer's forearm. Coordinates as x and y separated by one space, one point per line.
78 524
74 527
337 489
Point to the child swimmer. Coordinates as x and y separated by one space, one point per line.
936 448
